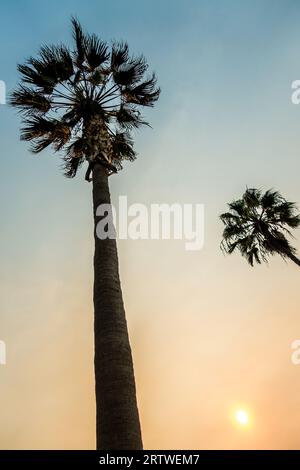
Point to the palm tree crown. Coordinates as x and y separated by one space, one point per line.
258 226
83 100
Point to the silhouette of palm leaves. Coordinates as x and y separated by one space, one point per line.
258 225
62 89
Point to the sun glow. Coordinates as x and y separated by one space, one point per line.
242 417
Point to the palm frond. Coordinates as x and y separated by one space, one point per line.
270 198
55 62
119 55
43 132
229 217
28 100
258 226
71 165
128 118
144 94
31 76
122 146
97 78
76 149
53 65
84 101
131 72
238 207
233 230
252 198
95 52
80 42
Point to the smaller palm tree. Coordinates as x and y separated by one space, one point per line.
258 225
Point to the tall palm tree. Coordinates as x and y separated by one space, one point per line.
258 226
85 102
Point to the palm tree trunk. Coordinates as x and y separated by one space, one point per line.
294 258
117 419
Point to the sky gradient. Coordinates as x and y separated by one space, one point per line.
209 334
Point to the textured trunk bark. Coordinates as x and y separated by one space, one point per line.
117 418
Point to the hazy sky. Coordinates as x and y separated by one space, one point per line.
209 334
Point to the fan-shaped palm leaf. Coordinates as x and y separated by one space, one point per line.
62 91
258 225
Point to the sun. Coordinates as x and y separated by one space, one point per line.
242 417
